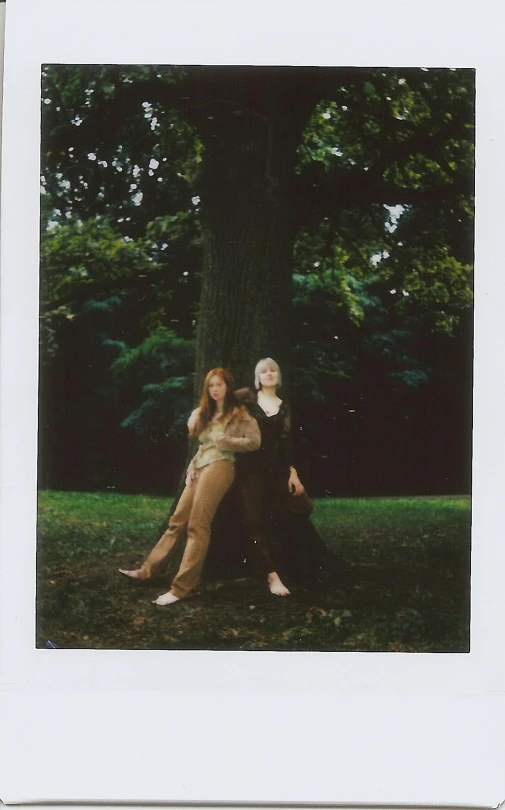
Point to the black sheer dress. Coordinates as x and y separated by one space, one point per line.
278 532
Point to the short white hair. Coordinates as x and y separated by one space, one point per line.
262 365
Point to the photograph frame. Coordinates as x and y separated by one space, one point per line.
429 730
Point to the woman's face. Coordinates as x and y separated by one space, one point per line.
269 376
217 389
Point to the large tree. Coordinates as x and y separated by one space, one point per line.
259 181
196 192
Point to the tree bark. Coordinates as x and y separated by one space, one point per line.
246 280
250 126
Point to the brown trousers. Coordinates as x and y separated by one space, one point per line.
195 510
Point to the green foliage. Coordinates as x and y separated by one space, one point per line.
77 255
160 355
114 144
409 130
152 372
165 409
396 111
435 289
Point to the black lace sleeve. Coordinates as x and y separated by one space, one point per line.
285 440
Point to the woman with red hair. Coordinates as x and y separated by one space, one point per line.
223 428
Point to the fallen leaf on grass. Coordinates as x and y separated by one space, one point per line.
315 611
295 633
326 616
230 631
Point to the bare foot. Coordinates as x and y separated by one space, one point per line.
276 586
132 574
167 598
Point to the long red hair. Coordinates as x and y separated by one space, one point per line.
208 405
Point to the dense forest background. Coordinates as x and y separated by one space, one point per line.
151 177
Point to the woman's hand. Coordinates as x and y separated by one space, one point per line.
295 486
190 476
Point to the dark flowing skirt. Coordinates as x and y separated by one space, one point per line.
261 527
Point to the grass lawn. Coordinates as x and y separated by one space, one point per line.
409 591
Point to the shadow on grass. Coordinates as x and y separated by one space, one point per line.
374 609
405 589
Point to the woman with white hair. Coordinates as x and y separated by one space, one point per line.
272 498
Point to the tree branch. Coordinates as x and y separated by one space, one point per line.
324 193
422 143
87 290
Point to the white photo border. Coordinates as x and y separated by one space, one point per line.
195 726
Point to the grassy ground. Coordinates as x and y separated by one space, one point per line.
409 590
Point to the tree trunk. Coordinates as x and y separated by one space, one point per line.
250 127
246 282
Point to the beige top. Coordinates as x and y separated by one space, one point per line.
208 452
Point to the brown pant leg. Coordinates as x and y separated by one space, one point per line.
165 545
253 497
213 482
